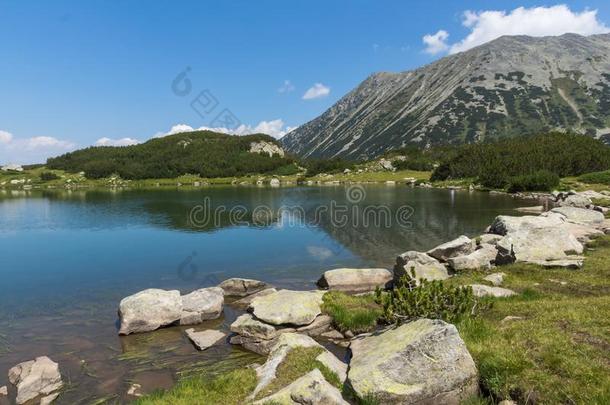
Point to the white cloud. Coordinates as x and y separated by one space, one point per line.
116 142
488 25
31 150
287 87
5 137
274 128
316 91
436 43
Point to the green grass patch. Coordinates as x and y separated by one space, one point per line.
297 363
559 351
355 313
596 178
231 388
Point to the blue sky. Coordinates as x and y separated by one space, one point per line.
76 73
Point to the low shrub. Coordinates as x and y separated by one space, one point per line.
419 164
542 180
48 176
412 299
596 178
358 314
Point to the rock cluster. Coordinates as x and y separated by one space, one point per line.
154 308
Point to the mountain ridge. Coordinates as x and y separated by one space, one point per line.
513 85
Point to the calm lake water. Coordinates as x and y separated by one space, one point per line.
68 257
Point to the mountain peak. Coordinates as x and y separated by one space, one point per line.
513 85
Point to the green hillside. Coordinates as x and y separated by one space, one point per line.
204 153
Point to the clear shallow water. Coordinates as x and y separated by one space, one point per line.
67 258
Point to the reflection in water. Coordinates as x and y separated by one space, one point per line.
68 257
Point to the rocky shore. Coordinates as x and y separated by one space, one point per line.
423 361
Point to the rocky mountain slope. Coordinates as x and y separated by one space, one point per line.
511 86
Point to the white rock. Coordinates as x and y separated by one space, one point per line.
135 390
274 182
34 378
457 247
288 307
242 287
202 305
504 224
49 399
246 325
495 278
576 200
481 290
267 148
246 301
580 215
149 310
204 339
3 391
490 238
480 258
539 244
422 362
355 280
425 267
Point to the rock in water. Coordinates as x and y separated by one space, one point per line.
288 307
481 290
457 247
149 310
204 339
202 305
242 287
312 388
355 280
422 362
246 301
246 325
35 378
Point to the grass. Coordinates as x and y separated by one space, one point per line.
355 313
298 362
559 352
596 178
231 388
71 180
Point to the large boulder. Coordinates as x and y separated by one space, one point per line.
202 305
505 224
242 287
149 310
580 215
425 267
246 325
480 258
287 342
422 362
311 389
538 244
457 247
35 378
288 307
355 280
576 200
245 302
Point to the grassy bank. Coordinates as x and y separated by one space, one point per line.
33 178
555 348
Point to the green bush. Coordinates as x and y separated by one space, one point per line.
542 180
420 164
48 176
492 180
596 178
317 166
412 299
